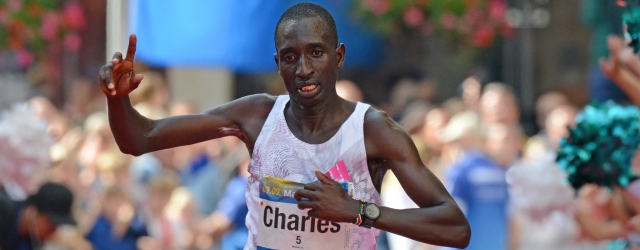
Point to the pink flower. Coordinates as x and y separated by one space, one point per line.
50 25
449 20
378 7
73 15
483 37
72 42
413 17
24 58
621 3
14 5
497 9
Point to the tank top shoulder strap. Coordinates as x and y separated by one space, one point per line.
353 130
278 107
361 110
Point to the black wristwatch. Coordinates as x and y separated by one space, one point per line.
370 214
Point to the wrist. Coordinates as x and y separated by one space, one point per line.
354 210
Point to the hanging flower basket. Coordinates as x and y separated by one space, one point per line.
29 28
474 23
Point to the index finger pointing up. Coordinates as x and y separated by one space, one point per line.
131 50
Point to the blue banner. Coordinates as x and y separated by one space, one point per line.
236 35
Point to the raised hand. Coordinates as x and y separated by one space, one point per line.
611 66
117 77
327 200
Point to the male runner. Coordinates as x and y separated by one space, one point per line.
339 148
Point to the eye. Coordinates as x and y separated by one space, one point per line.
316 53
289 58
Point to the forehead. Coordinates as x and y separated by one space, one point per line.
294 33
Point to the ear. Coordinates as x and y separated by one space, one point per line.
340 51
277 60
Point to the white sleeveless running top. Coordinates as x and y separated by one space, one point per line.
277 152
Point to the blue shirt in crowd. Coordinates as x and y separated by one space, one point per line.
479 187
234 205
102 239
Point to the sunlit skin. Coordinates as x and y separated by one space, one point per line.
305 60
499 108
434 123
349 91
503 143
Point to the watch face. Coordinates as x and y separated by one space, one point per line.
372 211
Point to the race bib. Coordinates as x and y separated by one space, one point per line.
282 225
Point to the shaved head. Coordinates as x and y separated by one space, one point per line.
309 10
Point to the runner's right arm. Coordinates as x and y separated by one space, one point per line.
137 135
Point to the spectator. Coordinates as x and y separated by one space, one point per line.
428 141
503 143
227 223
623 67
199 172
604 18
478 184
27 225
161 233
547 103
556 124
118 225
151 98
498 104
471 92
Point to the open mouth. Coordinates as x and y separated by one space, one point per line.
309 87
309 90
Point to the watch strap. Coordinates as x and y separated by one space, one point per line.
359 219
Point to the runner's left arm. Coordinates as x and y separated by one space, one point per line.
438 220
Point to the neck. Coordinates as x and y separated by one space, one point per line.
313 117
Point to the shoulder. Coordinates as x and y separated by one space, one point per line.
384 137
255 102
376 121
251 106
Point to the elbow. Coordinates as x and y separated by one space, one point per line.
461 233
130 150
460 239
465 236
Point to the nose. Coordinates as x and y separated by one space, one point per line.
304 68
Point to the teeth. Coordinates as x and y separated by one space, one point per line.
309 88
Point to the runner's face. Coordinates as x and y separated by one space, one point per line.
307 61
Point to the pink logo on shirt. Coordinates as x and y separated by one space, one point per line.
338 172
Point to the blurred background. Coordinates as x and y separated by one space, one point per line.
475 82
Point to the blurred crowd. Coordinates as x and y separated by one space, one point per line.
193 197
190 197
476 146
